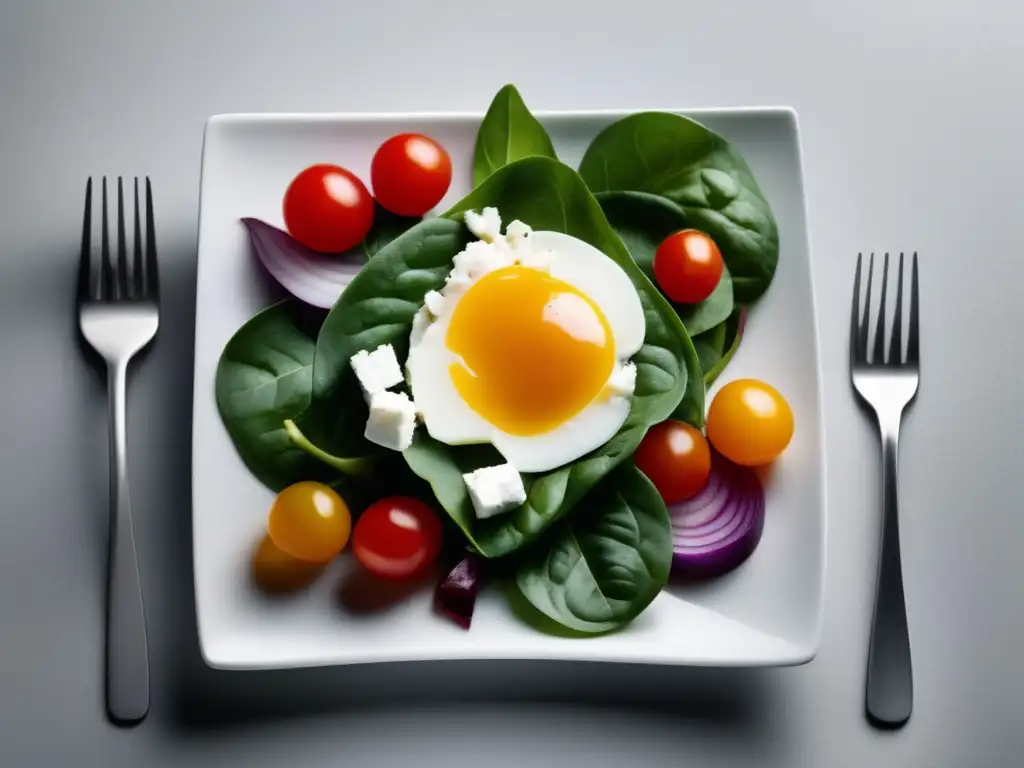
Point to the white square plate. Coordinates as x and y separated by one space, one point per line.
766 612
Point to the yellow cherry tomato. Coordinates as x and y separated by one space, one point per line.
749 422
309 521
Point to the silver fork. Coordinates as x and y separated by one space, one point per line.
888 384
118 313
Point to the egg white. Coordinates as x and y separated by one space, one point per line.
449 419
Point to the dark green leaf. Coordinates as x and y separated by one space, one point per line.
386 227
643 221
732 336
378 305
442 467
265 377
604 566
710 346
508 133
677 158
354 466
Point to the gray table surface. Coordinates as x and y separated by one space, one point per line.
912 123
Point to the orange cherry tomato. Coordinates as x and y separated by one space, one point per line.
310 522
688 266
749 422
410 173
328 209
676 458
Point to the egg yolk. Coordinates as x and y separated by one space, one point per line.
534 350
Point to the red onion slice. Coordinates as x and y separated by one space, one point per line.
720 527
455 594
314 278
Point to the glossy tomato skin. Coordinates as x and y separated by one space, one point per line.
688 266
327 208
309 521
749 422
410 173
397 537
676 458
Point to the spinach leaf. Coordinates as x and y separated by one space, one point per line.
691 407
378 305
354 466
508 132
386 227
548 496
680 159
710 346
732 336
264 377
549 195
642 221
605 565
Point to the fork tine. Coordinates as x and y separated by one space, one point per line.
122 249
913 343
138 271
896 344
878 355
855 355
106 271
863 343
152 272
86 285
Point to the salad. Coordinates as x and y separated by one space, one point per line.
510 393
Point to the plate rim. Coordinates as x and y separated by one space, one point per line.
801 653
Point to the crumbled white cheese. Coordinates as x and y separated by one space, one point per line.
434 302
622 382
377 370
517 235
486 225
494 490
392 420
475 261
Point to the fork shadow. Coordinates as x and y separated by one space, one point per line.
190 697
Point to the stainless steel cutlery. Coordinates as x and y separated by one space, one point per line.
887 381
118 314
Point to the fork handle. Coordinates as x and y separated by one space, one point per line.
127 655
890 683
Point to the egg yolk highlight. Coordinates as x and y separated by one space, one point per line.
534 350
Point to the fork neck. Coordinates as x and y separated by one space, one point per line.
117 380
889 422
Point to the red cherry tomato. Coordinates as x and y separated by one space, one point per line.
328 209
410 174
397 537
688 266
676 458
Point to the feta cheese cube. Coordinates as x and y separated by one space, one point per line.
377 370
392 420
494 490
622 382
486 225
517 234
